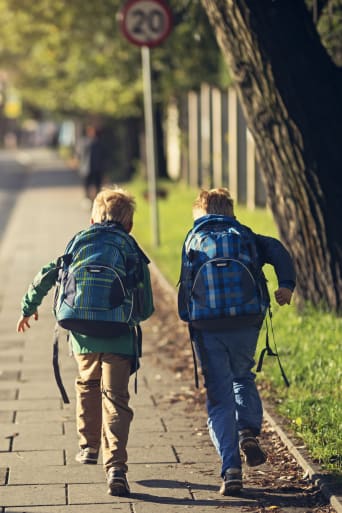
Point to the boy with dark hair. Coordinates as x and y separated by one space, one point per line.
223 296
105 363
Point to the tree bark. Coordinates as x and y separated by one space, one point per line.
291 94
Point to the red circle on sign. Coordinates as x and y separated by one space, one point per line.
146 22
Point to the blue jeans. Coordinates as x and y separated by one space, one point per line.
233 402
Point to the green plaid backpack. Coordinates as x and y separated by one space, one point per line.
100 290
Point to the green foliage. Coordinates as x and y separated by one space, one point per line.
62 60
328 16
189 55
72 57
309 342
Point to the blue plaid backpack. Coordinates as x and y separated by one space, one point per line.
221 284
100 289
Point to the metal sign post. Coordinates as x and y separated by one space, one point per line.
150 142
146 23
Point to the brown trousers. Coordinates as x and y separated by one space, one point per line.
102 411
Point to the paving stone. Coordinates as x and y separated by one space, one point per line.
9 375
7 385
213 495
150 424
3 475
139 438
175 475
152 454
31 495
55 415
6 417
35 429
57 474
27 405
82 494
190 454
30 441
176 423
10 361
99 508
142 401
8 394
92 494
32 458
192 507
5 444
38 391
34 374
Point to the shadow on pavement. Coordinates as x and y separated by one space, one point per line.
190 502
288 497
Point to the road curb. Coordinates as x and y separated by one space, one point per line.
311 470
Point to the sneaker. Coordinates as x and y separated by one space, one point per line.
117 483
232 482
249 445
88 455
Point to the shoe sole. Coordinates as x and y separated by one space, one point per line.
254 454
118 491
231 488
87 461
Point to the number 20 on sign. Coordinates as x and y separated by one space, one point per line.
146 22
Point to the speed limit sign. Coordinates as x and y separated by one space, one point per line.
146 22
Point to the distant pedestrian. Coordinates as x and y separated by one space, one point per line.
223 296
105 361
92 157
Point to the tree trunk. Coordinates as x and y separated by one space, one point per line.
291 94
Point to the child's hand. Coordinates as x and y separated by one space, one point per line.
283 296
24 324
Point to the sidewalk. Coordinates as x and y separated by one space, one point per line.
172 464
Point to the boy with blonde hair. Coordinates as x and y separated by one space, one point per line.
223 296
105 360
115 205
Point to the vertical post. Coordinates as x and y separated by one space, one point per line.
206 136
251 171
217 137
150 142
233 143
193 138
242 176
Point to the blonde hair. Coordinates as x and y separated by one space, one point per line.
115 205
213 201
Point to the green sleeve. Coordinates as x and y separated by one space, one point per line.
42 283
